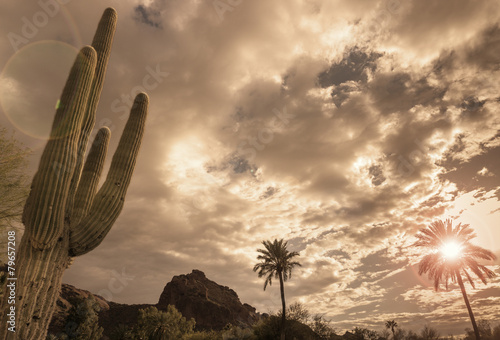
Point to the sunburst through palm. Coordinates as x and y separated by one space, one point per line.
451 250
451 256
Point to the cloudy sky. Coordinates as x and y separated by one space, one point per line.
341 126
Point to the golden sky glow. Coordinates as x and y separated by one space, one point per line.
341 126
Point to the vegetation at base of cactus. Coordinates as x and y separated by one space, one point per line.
65 215
82 322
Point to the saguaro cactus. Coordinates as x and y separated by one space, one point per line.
65 215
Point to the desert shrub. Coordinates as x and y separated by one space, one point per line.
82 322
411 335
496 332
322 327
123 332
364 334
153 324
400 334
429 333
485 331
231 332
52 337
297 312
205 335
269 329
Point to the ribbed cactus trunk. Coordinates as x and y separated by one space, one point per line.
65 215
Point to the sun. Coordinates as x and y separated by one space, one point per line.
451 250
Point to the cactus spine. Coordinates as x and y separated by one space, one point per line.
65 215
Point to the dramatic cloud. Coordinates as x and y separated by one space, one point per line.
341 126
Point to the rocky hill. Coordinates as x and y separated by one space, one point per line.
211 305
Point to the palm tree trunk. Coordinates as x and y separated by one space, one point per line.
283 316
471 315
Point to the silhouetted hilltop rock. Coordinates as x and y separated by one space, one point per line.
212 306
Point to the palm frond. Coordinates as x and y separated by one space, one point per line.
275 261
442 270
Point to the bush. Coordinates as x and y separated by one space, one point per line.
429 333
269 329
231 332
123 332
364 334
153 324
82 322
322 327
205 335
485 331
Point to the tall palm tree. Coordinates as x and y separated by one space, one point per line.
276 261
452 255
391 324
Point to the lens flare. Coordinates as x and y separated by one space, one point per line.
451 250
31 83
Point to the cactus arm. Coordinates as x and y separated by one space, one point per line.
43 214
102 42
108 202
91 174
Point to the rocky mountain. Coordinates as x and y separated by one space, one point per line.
211 305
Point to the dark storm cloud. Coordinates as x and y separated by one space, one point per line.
398 92
408 148
485 49
240 165
353 67
342 92
377 174
468 176
269 192
148 15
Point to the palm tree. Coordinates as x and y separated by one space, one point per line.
391 324
276 261
452 255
